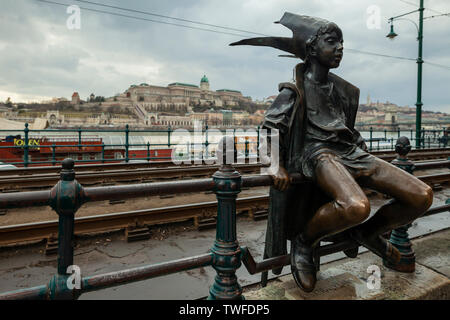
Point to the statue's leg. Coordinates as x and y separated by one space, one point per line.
411 196
349 208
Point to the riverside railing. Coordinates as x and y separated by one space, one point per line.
245 143
225 256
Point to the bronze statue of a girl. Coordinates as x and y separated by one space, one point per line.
315 118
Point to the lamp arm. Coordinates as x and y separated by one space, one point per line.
417 27
405 14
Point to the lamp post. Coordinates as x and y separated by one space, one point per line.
419 60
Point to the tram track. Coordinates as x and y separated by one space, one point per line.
20 233
118 176
19 181
387 155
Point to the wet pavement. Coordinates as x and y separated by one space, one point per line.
27 267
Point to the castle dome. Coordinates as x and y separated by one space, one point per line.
204 79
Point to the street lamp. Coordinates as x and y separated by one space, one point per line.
391 35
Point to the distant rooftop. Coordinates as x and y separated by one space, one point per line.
183 84
227 90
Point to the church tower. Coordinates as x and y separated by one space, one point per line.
204 83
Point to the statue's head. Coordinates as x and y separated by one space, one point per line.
403 146
326 47
314 40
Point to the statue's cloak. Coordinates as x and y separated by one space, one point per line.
290 210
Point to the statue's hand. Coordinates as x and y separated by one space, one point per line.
281 179
363 146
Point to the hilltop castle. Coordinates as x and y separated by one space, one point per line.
179 96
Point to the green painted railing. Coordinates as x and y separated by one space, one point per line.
377 140
193 148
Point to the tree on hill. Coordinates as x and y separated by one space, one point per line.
99 99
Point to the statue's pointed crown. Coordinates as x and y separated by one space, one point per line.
303 28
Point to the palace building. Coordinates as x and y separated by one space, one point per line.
178 96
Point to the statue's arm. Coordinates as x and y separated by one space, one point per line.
275 135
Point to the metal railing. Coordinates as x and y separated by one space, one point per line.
428 138
225 256
376 140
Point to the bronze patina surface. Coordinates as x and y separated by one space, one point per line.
315 120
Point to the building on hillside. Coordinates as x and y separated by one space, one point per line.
75 98
179 97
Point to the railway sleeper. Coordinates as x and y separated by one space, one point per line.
112 202
260 215
205 223
51 247
137 232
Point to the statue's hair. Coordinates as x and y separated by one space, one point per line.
311 42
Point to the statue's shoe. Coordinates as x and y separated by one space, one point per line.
352 252
302 265
380 246
277 271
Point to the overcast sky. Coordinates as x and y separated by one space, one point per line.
41 58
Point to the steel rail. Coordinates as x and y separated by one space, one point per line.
146 175
142 174
383 154
107 222
123 192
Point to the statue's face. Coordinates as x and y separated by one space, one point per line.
329 49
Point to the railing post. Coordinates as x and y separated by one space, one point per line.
371 134
399 236
206 141
26 147
79 138
188 151
67 196
422 138
246 148
53 154
169 130
226 250
148 151
257 145
103 152
127 134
